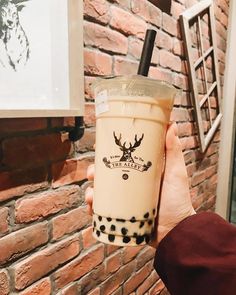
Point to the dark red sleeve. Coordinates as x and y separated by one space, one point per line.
199 257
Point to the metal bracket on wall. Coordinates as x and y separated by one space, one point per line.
77 131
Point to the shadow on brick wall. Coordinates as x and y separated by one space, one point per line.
164 5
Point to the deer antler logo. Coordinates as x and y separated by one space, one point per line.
126 161
127 157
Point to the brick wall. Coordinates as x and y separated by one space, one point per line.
45 233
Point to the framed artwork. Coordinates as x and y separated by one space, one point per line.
41 58
198 29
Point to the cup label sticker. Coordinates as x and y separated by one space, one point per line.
101 102
127 161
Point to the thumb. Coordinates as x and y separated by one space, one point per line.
174 156
172 140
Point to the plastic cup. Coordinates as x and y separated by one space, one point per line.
132 114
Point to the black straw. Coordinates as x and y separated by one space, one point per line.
147 53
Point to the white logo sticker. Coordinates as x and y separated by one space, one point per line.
101 102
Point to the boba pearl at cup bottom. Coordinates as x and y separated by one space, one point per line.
130 232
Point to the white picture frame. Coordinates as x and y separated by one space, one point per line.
41 58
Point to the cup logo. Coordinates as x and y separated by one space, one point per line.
127 160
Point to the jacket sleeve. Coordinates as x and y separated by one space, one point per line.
199 257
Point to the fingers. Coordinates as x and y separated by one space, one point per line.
89 190
89 200
90 172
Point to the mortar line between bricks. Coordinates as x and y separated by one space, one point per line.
30 134
49 219
81 255
40 248
48 274
106 51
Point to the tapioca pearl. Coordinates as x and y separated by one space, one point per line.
124 231
147 239
120 220
150 222
154 211
139 239
98 233
109 219
133 219
100 218
111 238
135 235
146 215
113 227
126 240
102 228
141 224
94 223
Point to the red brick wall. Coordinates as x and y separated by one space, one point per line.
45 233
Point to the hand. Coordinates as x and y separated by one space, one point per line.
175 203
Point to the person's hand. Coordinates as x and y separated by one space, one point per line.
175 203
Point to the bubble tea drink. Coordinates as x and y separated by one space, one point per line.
132 114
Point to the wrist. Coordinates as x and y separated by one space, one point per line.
163 230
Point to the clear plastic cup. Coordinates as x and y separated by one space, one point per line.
132 114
